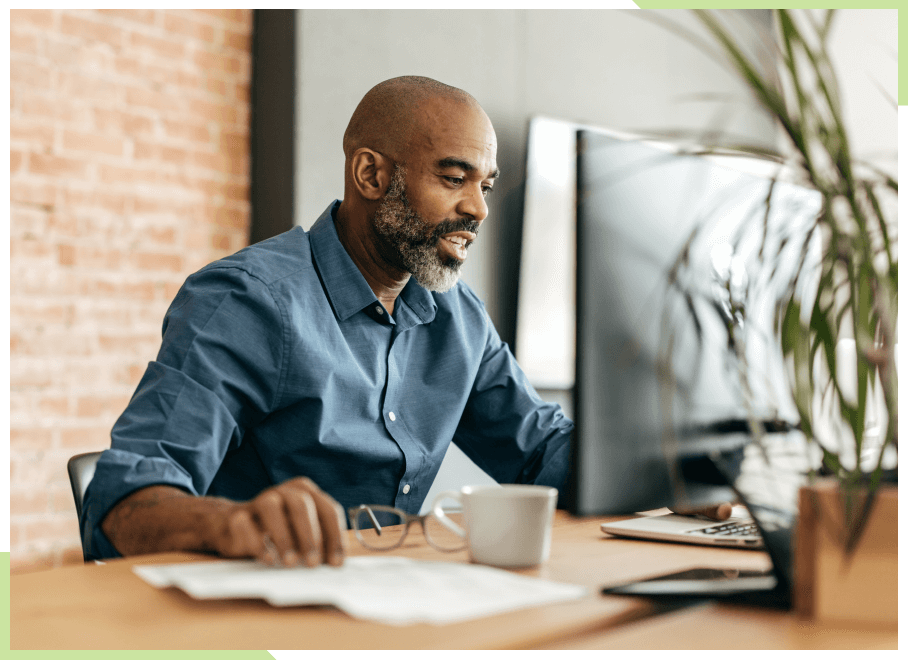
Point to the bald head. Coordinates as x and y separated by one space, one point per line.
391 114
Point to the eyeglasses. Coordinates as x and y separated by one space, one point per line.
380 527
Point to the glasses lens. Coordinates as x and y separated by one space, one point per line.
441 536
379 528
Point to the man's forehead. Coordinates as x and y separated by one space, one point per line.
457 134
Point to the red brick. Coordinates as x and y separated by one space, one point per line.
129 344
91 437
217 162
38 134
42 194
234 144
84 317
28 222
20 43
66 255
232 15
42 312
123 122
56 166
208 61
238 40
167 48
157 261
30 438
241 93
27 502
29 248
90 87
145 16
105 144
38 105
237 191
138 290
101 406
139 96
52 526
186 131
42 18
61 500
231 218
15 161
91 30
223 113
216 86
54 405
185 26
95 199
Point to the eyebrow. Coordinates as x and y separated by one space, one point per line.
465 166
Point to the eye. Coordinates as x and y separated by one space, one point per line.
486 191
454 180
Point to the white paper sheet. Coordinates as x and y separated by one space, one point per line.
393 590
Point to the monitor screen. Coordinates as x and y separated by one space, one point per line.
655 389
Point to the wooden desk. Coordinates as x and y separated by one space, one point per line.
712 626
107 606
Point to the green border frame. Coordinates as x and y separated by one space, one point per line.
261 655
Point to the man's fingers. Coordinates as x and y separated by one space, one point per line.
718 512
287 524
331 521
270 511
242 537
303 516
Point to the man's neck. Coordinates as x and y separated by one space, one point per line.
385 281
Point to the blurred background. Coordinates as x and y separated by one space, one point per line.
146 143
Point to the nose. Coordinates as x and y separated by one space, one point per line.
473 203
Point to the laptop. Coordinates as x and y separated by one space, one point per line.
739 531
766 482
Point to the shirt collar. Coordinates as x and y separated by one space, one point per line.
345 285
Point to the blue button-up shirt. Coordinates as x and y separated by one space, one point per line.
279 361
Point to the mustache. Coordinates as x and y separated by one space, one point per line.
450 225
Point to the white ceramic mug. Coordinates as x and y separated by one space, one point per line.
508 526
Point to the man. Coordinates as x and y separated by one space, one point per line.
318 371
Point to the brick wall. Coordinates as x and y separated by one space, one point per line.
128 171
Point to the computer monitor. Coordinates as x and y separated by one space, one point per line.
655 392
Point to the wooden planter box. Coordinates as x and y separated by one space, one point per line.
859 590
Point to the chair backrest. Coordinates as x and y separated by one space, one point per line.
81 468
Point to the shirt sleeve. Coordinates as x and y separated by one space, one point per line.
506 429
218 371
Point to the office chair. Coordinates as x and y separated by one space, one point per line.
81 468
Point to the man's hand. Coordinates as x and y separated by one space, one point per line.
718 512
291 523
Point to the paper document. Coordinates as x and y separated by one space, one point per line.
393 590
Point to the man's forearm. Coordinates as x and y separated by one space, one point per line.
164 519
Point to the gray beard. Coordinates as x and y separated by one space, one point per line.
414 242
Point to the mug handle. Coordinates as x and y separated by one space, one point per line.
439 513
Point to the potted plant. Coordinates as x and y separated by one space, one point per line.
835 321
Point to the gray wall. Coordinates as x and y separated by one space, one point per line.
611 68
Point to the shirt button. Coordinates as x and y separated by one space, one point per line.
392 416
379 310
406 488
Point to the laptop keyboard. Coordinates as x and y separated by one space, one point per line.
731 529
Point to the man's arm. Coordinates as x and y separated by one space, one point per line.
296 519
217 374
505 428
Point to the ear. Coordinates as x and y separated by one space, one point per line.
370 173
